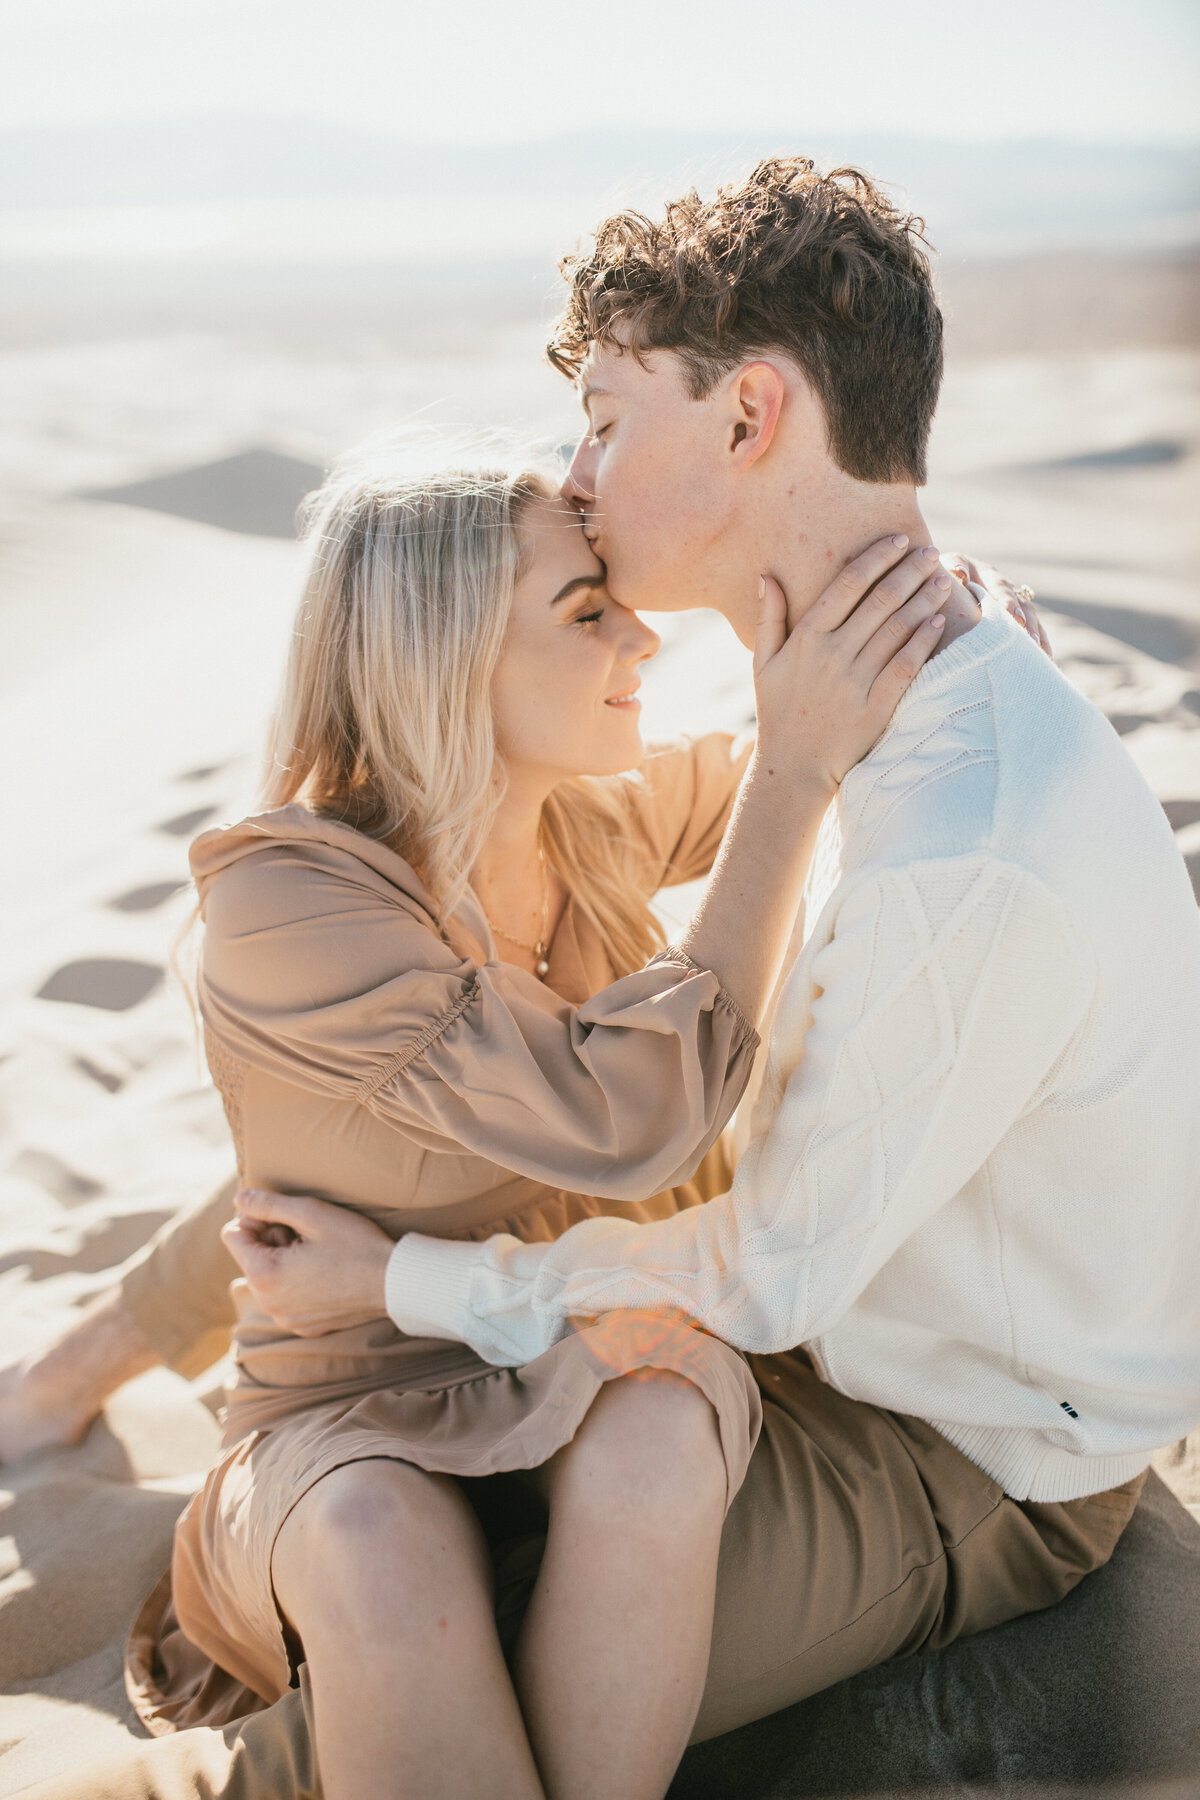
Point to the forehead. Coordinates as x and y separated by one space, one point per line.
551 536
611 370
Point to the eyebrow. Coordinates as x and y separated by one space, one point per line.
577 581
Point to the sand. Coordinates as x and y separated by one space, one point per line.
146 581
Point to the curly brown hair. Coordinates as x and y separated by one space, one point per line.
822 267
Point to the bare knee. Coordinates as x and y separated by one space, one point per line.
369 1537
648 1450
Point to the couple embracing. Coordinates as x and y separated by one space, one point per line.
556 1440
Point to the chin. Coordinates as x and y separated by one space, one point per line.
626 752
664 593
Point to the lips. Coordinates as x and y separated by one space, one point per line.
627 697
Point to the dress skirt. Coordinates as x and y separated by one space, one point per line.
209 1644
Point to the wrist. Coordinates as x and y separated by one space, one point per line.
428 1286
376 1293
781 779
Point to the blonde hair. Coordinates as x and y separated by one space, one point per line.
385 720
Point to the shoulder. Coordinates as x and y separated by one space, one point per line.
678 781
291 901
280 865
686 765
966 908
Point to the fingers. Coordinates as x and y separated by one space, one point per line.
848 587
298 1212
897 628
968 572
252 1257
770 631
894 587
908 662
881 566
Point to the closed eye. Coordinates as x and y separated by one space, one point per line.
592 618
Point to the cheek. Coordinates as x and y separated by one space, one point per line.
546 699
661 497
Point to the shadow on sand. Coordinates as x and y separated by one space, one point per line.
257 492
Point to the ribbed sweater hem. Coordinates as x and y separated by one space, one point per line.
427 1288
1028 1468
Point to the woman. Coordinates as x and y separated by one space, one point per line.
459 681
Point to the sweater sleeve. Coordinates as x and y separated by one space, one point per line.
930 1017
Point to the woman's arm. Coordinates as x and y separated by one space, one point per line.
321 967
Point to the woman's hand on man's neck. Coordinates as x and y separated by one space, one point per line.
803 545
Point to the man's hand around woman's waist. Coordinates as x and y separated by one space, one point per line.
311 1266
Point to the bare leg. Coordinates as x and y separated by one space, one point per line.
52 1396
384 1573
613 1653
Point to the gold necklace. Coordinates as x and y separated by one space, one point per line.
540 950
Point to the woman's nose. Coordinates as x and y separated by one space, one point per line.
646 642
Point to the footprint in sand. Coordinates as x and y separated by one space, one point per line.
1150 453
188 824
56 1177
145 899
112 983
108 1079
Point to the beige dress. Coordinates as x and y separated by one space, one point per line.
365 1057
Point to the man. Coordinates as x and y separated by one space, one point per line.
969 1190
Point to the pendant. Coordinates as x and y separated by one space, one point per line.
543 969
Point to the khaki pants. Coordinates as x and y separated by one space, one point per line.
858 1535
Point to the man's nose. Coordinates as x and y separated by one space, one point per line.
578 488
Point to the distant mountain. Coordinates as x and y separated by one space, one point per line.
1025 188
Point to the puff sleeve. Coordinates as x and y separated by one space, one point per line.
316 970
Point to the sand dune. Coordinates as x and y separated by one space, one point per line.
146 489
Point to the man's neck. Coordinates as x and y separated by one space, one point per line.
805 553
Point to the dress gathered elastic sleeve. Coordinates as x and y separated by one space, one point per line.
681 798
330 983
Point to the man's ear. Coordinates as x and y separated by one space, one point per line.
756 394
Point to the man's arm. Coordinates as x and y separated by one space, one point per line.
944 997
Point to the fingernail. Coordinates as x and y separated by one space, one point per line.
936 623
941 581
762 588
930 553
900 541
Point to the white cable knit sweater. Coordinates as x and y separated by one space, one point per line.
973 1188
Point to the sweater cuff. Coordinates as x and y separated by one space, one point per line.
427 1286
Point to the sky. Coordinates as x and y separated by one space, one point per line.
489 71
